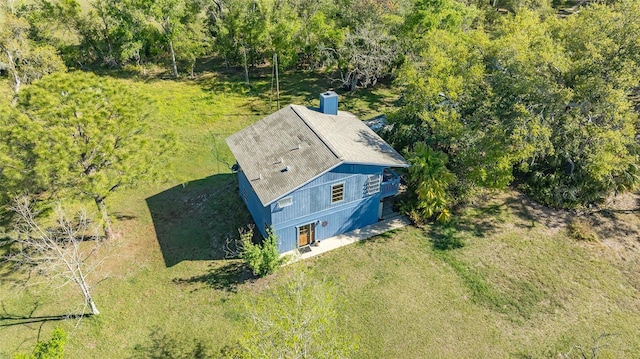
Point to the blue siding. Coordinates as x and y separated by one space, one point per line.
312 204
261 215
315 196
329 223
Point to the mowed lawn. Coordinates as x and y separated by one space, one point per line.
496 283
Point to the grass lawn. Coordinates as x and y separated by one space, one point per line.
497 283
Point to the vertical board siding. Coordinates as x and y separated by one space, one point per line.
330 223
315 196
261 214
312 204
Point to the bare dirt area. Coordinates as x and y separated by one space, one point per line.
614 223
617 222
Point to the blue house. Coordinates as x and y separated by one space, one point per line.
311 174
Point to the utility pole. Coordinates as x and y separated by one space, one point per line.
275 57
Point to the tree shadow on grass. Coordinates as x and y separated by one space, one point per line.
531 213
193 220
226 277
171 345
485 220
12 320
444 237
8 319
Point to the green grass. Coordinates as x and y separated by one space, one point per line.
493 284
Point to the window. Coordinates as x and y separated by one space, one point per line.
245 194
337 192
373 185
285 202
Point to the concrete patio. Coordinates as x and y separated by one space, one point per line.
344 239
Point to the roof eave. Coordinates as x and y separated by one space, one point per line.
396 165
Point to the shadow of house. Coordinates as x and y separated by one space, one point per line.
226 277
193 220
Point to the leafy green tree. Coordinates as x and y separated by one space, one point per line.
118 33
82 135
100 34
543 99
125 30
192 44
284 29
434 111
594 128
321 35
240 31
296 319
51 349
427 15
179 21
25 61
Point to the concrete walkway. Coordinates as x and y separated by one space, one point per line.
344 239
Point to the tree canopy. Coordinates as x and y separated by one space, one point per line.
542 100
24 59
81 135
508 91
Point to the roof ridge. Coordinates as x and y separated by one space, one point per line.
317 133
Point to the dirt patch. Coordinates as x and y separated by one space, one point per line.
553 220
616 222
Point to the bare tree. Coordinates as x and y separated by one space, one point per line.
580 352
64 251
367 54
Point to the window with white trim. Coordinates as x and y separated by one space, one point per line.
373 184
337 192
245 194
285 202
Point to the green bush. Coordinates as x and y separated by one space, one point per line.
51 349
429 184
262 259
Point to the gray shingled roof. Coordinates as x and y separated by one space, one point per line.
295 145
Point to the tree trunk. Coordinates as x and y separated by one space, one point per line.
80 280
14 73
246 68
106 222
353 83
92 305
16 86
173 59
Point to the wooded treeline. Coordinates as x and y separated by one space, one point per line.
493 92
